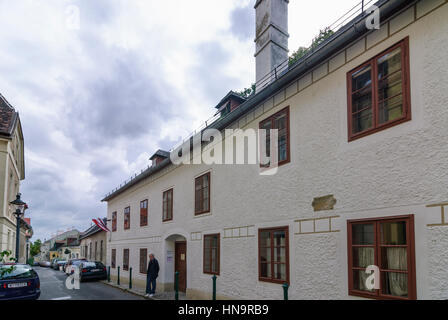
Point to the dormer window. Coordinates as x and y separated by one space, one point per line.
159 157
229 103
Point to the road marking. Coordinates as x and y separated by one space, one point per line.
62 298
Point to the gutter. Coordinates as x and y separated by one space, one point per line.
343 37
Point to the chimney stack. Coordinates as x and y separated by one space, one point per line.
271 38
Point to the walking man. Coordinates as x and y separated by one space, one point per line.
151 275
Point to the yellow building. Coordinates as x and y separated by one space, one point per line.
12 171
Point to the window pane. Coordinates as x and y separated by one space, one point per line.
393 233
394 258
214 260
389 63
280 271
265 239
359 280
361 78
363 257
265 255
265 270
395 284
362 121
207 242
363 234
390 109
390 86
279 238
362 99
280 254
207 260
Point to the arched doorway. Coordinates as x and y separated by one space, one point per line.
176 258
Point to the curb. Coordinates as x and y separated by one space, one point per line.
128 290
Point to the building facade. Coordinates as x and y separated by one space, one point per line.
361 179
12 171
93 244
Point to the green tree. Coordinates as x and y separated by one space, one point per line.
302 51
35 247
247 92
5 257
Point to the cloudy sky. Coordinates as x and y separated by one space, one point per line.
100 85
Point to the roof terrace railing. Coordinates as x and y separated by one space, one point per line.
273 75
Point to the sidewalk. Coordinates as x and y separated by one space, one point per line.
141 292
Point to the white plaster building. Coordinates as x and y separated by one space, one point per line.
362 180
12 171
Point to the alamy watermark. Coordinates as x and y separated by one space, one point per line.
73 282
373 280
373 20
253 147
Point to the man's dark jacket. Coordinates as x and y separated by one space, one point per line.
153 268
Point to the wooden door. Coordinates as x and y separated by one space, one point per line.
180 264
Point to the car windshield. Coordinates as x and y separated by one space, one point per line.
77 262
18 272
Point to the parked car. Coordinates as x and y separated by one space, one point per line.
22 283
72 264
35 264
94 270
53 262
44 264
58 264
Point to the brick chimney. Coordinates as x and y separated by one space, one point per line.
271 37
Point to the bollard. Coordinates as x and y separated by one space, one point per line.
285 291
118 279
130 278
214 287
108 274
176 286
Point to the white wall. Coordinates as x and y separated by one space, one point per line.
393 172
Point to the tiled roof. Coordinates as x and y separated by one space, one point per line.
8 117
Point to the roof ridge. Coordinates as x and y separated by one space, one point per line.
6 102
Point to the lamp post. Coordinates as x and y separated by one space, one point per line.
19 213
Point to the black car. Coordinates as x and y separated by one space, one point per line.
94 270
19 282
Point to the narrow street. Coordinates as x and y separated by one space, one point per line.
52 285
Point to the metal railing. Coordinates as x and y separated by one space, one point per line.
273 75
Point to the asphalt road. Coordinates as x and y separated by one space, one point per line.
52 286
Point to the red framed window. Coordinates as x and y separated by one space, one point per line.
143 213
143 260
379 92
114 221
127 218
211 261
113 258
126 259
202 194
279 121
273 255
167 210
389 244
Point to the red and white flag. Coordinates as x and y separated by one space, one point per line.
99 222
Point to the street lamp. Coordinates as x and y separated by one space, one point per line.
19 213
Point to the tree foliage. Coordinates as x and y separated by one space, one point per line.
35 247
247 92
5 257
302 51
